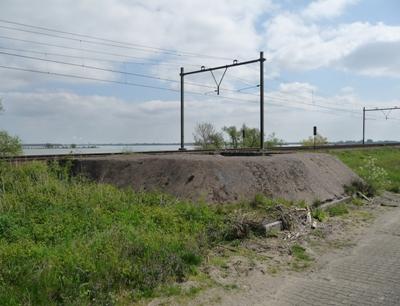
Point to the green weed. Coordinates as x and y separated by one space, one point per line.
337 210
64 240
369 163
298 252
319 214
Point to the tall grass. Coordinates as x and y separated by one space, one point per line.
379 166
65 240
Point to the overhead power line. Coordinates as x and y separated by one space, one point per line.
86 78
89 67
87 50
144 47
108 70
140 85
272 101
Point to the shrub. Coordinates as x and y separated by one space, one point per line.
206 137
319 140
360 186
9 145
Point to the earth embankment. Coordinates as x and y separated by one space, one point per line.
218 179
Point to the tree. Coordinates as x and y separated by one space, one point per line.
319 140
235 136
206 137
9 145
273 141
251 137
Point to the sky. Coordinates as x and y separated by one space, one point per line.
107 71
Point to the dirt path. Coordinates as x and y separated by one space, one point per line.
365 272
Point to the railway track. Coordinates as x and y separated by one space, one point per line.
225 152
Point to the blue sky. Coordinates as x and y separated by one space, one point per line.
326 59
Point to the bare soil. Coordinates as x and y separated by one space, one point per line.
219 179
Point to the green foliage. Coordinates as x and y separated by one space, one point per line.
235 136
251 137
319 214
206 137
360 186
386 158
357 202
373 174
246 137
337 210
319 140
273 141
64 240
9 145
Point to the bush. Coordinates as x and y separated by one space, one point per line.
9 145
273 141
360 186
206 137
319 141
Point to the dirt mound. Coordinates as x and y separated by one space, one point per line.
215 178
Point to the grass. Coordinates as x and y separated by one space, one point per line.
338 210
319 214
301 259
385 158
299 253
64 240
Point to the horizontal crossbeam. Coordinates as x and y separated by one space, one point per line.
223 67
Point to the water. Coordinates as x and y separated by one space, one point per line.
101 149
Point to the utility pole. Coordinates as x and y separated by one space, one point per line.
182 148
262 100
218 83
363 139
374 110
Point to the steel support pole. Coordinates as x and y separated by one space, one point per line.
182 148
261 100
363 139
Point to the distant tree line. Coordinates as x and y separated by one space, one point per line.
206 136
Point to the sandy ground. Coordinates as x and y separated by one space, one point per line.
355 261
218 179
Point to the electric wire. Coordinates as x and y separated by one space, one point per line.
107 70
160 50
276 102
88 50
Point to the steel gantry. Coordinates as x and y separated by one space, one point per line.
235 63
389 109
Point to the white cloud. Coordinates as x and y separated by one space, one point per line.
374 59
290 111
292 40
326 8
295 44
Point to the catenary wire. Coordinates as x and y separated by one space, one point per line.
173 52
